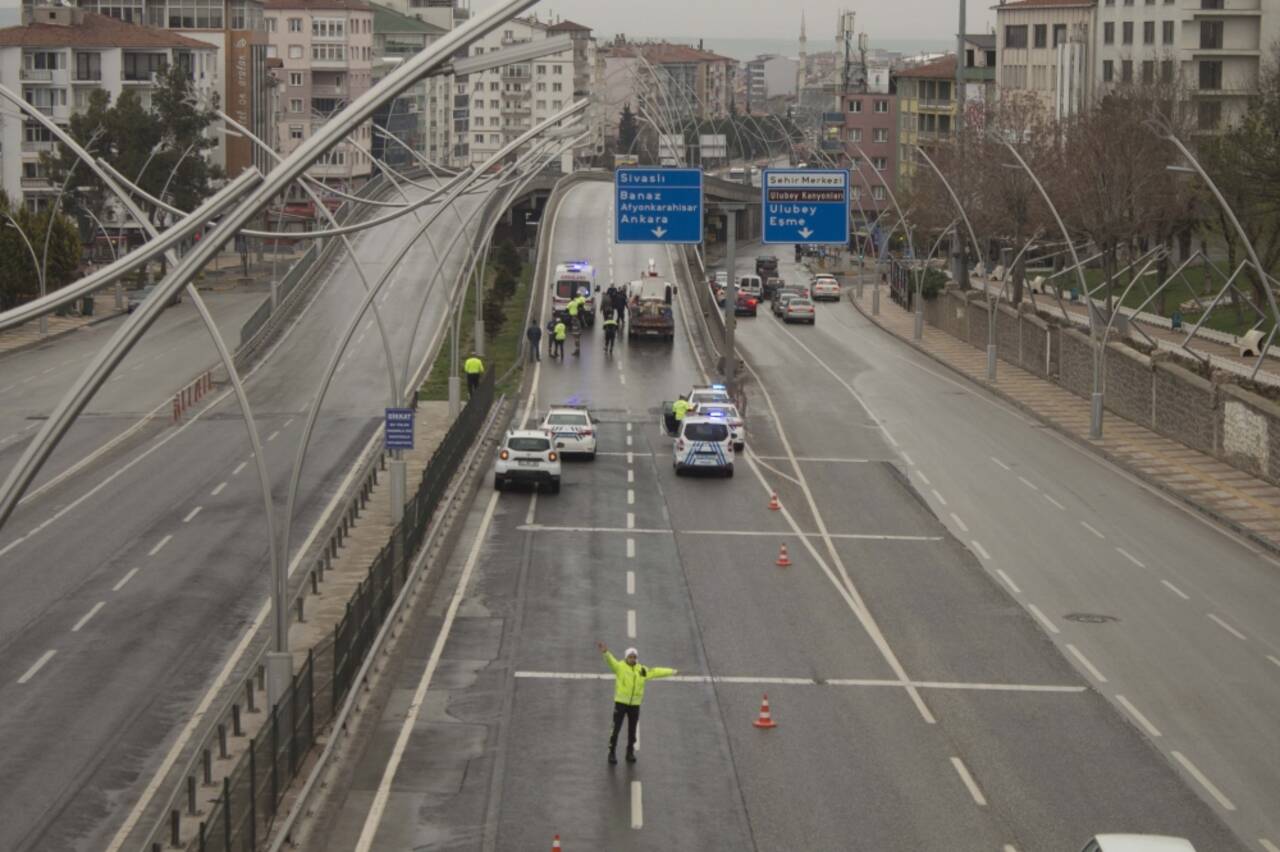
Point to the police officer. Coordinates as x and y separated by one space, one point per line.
610 325
560 332
630 678
474 368
679 409
573 308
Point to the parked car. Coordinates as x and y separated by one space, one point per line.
799 309
703 443
526 456
572 429
729 413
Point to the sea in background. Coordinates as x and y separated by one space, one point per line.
744 49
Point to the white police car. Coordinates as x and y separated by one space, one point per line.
703 443
729 413
701 394
526 455
572 429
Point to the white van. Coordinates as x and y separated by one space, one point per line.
703 443
751 285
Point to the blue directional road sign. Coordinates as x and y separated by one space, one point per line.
805 206
399 432
657 205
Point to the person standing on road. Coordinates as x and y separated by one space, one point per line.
573 308
534 333
560 332
629 680
474 368
610 324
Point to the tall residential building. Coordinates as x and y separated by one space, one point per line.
865 122
926 109
769 76
61 57
326 51
396 37
1040 43
234 28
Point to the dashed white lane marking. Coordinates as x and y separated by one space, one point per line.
48 371
192 514
961 524
285 424
1049 497
631 459
631 582
533 505
1009 580
1002 464
631 497
159 545
1171 587
1152 730
1043 619
628 427
1228 628
273 436
906 458
735 533
963 771
1268 845
622 378
631 624
37 666
1028 483
631 520
982 551
1195 773
628 444
126 578
84 619
637 804
1085 524
218 489
239 468
939 497
631 548
923 478
631 476
1274 660
1127 555
823 460
1084 661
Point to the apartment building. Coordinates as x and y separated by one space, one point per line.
769 76
396 37
678 82
1044 49
63 55
927 106
325 48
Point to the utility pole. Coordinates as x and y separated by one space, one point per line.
960 267
730 368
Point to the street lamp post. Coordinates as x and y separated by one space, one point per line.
35 261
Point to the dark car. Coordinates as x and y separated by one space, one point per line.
772 286
766 266
747 305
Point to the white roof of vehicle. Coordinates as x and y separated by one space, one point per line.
567 409
527 433
1142 843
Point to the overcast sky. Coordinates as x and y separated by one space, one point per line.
759 19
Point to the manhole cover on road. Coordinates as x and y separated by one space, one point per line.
1090 618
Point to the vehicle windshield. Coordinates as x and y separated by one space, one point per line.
569 289
567 420
529 445
706 431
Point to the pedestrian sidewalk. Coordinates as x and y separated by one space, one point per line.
1242 502
28 336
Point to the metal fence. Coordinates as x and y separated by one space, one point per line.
241 817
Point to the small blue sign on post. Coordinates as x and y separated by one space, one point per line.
657 205
399 432
805 206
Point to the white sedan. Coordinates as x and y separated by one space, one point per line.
572 429
825 288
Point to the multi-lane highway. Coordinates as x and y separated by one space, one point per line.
126 588
934 657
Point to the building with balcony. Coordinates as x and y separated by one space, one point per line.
1044 50
868 120
234 28
769 76
325 48
62 56
675 81
926 109
397 37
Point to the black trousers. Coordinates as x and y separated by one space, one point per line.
473 382
632 714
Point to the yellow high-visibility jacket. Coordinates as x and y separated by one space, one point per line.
631 679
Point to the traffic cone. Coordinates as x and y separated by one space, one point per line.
773 502
764 720
784 561
555 843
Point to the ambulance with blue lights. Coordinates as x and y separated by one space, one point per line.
575 278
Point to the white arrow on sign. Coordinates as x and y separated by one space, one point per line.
658 232
806 233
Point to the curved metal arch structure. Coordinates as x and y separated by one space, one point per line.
977 247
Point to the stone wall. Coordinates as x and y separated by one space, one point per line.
1008 334
978 323
1035 339
1249 432
1075 362
1128 384
1184 407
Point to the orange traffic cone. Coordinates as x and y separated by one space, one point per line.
555 843
773 502
764 720
784 561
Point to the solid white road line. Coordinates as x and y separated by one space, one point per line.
733 533
631 582
533 505
631 624
1143 721
1268 845
809 681
1127 555
631 548
37 666
631 497
1228 628
1084 661
963 771
923 478
1028 483
159 545
1274 660
1085 524
239 468
1044 619
1054 502
940 498
1002 464
192 514
982 551
637 803
1171 587
822 460
1009 580
906 458
126 578
84 619
218 490
1195 773
379 805
961 524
